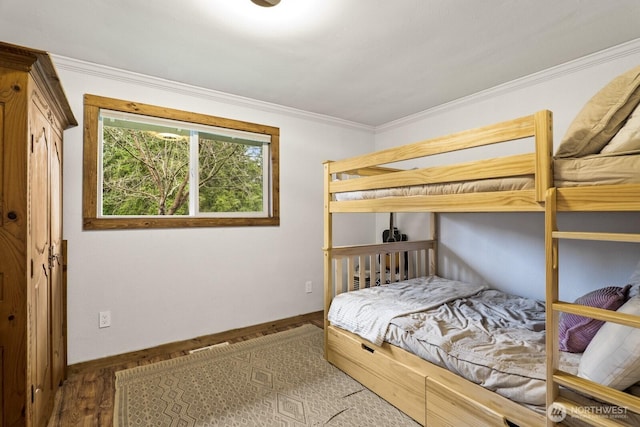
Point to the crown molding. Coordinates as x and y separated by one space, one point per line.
111 73
620 51
130 77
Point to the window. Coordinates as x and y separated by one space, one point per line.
153 167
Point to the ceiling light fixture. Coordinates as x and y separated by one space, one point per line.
168 136
266 3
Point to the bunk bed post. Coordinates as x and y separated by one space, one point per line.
327 245
544 153
551 261
432 258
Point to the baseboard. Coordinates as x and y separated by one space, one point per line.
198 342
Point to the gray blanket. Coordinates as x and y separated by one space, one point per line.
368 312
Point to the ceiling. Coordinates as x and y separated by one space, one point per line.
365 61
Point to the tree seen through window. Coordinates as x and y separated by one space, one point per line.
145 173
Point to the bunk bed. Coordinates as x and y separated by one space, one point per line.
441 392
426 391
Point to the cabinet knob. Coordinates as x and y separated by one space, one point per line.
12 215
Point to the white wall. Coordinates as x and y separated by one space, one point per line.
168 285
507 250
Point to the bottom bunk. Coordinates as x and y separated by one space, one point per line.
444 352
429 394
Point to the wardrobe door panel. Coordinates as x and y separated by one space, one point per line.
57 285
39 358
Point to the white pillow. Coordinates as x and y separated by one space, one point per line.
634 281
628 137
612 358
635 276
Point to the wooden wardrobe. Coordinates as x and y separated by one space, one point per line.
33 114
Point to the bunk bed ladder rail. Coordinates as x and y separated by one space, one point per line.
555 376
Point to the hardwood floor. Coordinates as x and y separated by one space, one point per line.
87 396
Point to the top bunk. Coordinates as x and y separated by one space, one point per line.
515 182
596 166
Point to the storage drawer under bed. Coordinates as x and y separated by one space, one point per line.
390 375
448 408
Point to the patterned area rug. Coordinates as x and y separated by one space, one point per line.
275 380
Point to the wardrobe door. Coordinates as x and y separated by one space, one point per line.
14 265
39 297
58 341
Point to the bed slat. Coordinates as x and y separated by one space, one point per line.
496 201
523 164
356 267
610 237
598 391
598 313
510 130
599 198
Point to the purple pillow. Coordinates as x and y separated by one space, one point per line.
576 332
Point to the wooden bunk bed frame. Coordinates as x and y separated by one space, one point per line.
429 394
603 198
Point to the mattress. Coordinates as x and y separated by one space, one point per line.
598 169
484 185
489 337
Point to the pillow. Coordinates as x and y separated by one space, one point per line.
634 281
635 276
613 356
634 390
602 116
575 331
627 138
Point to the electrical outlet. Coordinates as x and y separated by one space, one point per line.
105 319
308 286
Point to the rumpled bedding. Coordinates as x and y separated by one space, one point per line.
368 312
491 338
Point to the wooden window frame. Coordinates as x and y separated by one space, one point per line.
92 221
